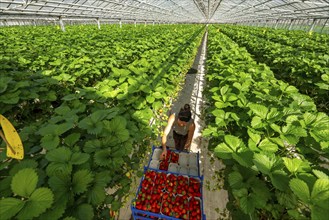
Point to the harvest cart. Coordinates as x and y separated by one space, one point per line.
170 189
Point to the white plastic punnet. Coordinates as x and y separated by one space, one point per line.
183 159
173 167
183 170
193 160
156 154
193 170
154 164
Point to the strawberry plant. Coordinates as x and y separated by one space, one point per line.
304 69
271 138
82 102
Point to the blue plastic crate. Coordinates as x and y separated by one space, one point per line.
148 214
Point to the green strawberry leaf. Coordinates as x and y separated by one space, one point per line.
259 110
256 122
157 95
50 142
92 146
116 205
247 205
55 167
103 158
61 154
309 118
81 180
319 213
26 163
150 99
84 211
300 188
4 83
244 158
79 158
296 165
223 151
255 137
267 145
263 163
280 179
9 207
320 174
24 182
96 195
286 199
233 142
235 180
92 127
71 139
40 200
320 192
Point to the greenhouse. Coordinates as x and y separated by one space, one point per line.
164 109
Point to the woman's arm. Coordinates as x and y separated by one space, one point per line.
190 136
166 131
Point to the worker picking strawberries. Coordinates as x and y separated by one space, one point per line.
183 129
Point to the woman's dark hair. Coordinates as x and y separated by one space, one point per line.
185 113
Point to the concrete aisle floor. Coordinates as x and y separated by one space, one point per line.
214 197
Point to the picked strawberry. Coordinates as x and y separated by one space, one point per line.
174 157
185 217
164 165
166 211
195 208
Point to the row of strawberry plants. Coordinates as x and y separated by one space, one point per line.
270 137
309 72
74 61
314 42
84 137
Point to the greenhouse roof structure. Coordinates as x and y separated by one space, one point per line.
172 11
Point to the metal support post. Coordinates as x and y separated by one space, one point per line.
305 25
284 24
153 23
324 25
135 22
61 23
120 22
145 23
313 24
98 23
298 25
276 24
291 22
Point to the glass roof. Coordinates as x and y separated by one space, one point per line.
166 10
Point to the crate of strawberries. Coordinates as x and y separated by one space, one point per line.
164 195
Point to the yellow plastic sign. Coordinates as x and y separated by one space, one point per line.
10 136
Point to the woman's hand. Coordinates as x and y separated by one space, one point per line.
163 154
187 145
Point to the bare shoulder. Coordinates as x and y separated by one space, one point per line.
171 118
